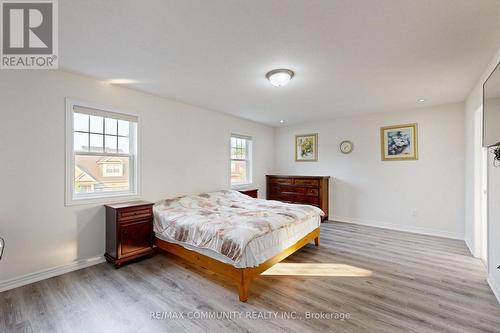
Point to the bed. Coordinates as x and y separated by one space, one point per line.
233 234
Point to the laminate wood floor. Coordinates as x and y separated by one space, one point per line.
387 281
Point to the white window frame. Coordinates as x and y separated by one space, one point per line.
72 198
248 160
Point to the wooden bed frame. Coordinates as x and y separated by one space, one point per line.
241 276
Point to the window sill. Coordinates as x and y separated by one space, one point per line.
101 200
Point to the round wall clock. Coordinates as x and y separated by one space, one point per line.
346 147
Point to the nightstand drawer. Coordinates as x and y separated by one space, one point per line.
141 213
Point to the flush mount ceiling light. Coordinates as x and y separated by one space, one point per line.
121 81
279 77
421 100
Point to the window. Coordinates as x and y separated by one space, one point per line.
101 153
241 160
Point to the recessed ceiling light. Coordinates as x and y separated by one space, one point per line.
121 81
421 100
282 121
280 77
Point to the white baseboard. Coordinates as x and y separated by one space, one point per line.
48 273
494 287
400 227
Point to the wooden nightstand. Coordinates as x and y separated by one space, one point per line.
129 231
253 193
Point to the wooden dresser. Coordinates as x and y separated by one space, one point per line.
129 231
309 190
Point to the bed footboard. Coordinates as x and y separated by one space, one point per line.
241 276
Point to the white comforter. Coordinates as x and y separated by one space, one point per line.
226 221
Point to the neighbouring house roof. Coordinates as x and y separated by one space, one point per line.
90 169
83 176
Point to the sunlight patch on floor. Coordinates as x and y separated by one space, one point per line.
315 269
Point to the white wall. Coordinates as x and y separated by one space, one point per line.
184 149
366 190
470 174
473 102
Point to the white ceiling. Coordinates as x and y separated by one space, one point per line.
349 56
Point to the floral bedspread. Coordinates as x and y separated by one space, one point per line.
225 221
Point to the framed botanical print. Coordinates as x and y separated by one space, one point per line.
399 142
306 147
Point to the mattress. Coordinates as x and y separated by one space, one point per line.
259 249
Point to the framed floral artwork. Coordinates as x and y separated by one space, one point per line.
306 147
399 142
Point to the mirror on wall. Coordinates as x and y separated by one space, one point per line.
491 109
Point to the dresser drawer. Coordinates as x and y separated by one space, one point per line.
280 197
297 199
134 214
307 200
307 182
284 181
289 189
312 192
